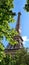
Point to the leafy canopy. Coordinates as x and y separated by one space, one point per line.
1 51
6 16
20 58
27 6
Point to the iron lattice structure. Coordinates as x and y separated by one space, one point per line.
11 48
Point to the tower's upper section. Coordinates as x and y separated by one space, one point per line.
18 22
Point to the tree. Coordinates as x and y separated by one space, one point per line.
7 16
20 58
7 60
27 6
2 54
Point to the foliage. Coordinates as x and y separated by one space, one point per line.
7 16
27 6
7 60
4 16
20 58
11 35
2 54
1 47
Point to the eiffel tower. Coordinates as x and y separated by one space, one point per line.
18 37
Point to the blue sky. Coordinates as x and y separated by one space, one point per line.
18 7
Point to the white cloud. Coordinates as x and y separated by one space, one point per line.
25 39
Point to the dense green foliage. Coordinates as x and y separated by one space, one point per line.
1 51
27 6
7 16
20 58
